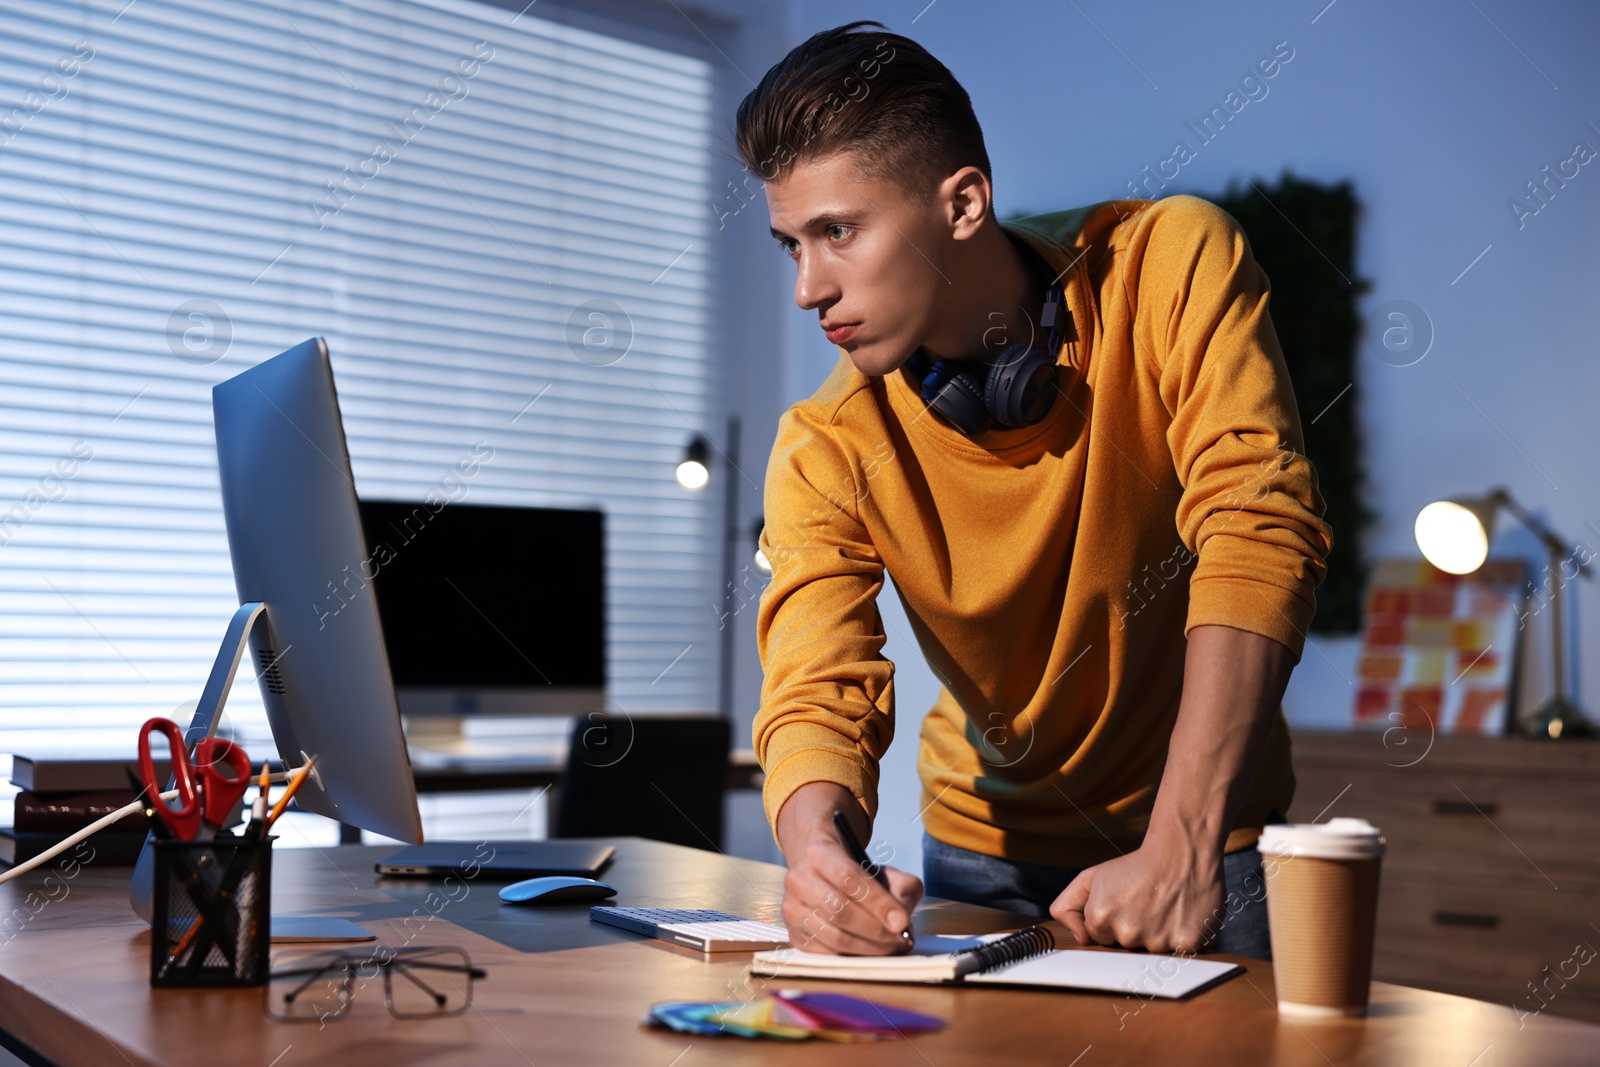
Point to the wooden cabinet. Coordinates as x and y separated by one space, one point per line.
1491 884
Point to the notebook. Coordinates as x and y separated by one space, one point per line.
1025 958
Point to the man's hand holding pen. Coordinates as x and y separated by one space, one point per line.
835 899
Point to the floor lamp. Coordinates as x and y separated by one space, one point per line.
1454 536
694 473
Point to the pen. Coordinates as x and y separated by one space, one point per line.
258 810
185 874
859 854
257 828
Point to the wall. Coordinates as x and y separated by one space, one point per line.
1438 113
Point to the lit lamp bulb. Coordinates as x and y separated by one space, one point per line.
694 473
1453 537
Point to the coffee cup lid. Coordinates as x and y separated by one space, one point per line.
1336 839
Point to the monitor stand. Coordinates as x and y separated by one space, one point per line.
141 887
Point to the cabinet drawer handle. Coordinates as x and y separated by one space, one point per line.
1465 807
1475 920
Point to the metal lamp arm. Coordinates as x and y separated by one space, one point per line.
1553 544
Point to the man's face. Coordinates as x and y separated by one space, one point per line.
865 258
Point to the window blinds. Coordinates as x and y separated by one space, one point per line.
498 222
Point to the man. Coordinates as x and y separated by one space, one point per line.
1113 585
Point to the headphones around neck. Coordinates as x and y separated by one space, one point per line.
1014 389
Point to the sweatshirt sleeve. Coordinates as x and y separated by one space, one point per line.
1250 507
827 695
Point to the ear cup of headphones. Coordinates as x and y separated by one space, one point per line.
1020 387
960 400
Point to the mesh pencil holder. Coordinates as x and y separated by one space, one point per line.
211 912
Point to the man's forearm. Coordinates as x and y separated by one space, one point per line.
1233 681
810 809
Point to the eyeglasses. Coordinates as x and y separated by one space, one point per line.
418 982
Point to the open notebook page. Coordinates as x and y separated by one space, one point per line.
932 960
1140 973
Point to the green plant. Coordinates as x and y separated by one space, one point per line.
1303 235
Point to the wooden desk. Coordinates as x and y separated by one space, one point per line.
74 987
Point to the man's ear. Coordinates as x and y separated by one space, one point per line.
966 198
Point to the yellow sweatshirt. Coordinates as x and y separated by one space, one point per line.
1051 572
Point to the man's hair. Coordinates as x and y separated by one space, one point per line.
880 97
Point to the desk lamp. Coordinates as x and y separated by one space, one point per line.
1454 536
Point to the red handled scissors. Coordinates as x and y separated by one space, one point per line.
206 793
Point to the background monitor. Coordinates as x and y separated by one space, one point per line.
293 530
489 610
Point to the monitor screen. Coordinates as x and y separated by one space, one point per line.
490 610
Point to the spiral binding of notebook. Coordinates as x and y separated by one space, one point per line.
1018 946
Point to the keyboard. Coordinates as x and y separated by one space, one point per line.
699 928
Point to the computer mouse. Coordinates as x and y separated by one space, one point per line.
557 889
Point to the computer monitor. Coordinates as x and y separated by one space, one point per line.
294 530
488 610
294 533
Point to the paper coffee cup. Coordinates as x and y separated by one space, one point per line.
1322 909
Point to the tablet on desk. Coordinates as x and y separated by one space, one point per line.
498 859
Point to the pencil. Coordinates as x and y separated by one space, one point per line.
300 775
183 946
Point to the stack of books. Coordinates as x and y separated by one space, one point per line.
62 795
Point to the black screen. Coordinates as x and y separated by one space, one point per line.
488 597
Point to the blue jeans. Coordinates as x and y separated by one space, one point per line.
1030 888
